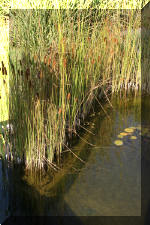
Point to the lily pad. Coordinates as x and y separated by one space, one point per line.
118 142
120 136
129 130
124 134
133 137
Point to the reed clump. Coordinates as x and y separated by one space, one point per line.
60 61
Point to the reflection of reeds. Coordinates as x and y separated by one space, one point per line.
59 85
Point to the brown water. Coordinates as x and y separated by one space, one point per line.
107 184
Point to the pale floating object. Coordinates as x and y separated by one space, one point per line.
124 134
118 142
133 137
120 136
129 130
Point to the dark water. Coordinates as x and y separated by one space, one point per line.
107 184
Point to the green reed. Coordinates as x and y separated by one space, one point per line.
60 60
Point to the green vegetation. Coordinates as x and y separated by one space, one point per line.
65 4
4 79
61 61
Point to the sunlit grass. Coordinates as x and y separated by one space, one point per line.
4 79
116 4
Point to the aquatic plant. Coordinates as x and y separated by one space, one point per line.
58 67
60 82
118 142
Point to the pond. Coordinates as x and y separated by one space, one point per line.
105 179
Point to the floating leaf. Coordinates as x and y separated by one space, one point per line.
128 130
118 142
124 134
133 137
120 136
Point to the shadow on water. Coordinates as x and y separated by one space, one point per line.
145 160
145 166
21 203
108 184
20 198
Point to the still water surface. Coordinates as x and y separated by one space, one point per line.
107 184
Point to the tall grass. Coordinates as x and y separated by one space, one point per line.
52 4
79 4
4 71
59 61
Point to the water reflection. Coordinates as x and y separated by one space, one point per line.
108 184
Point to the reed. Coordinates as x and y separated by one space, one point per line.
59 61
63 66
